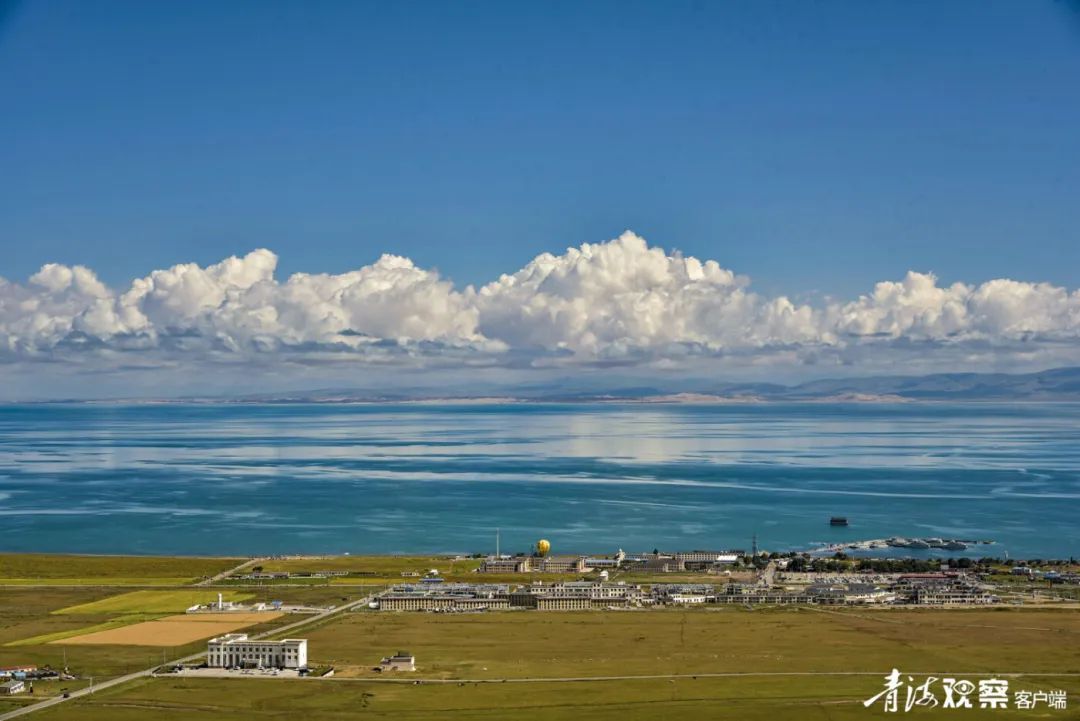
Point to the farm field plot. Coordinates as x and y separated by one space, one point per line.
173 630
78 630
154 601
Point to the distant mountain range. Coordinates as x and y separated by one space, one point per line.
1059 384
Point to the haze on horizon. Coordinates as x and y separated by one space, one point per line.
259 197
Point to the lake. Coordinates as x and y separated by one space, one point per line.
326 478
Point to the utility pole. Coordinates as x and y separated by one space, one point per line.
753 553
497 556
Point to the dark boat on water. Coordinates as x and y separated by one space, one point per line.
838 521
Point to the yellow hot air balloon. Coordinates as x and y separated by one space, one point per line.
543 546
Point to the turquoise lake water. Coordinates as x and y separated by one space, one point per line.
267 479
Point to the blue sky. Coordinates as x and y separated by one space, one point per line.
816 147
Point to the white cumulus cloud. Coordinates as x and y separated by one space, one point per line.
620 300
623 296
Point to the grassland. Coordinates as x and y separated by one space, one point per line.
154 601
730 639
783 663
75 570
822 698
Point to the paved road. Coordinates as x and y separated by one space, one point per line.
47 703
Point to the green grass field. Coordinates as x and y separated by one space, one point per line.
819 698
156 602
786 663
558 644
59 569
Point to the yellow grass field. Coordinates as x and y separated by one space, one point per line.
153 601
172 630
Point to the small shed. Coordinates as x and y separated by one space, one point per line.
400 661
10 688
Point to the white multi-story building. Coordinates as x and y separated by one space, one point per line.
235 649
700 556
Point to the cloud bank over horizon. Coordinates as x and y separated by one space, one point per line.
616 303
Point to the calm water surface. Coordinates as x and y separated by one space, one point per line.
250 479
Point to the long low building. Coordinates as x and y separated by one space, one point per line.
514 564
563 603
534 564
571 595
683 593
445 597
577 595
943 590
560 564
440 602
850 593
236 649
764 597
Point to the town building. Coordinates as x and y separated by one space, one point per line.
580 595
660 563
563 603
941 589
598 564
850 593
751 594
412 601
400 661
514 564
702 560
683 593
236 649
560 564
610 563
687 598
12 687
1055 577
445 597
575 595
